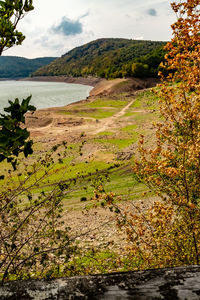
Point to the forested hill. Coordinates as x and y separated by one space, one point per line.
16 67
109 58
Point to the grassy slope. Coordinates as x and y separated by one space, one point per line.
122 140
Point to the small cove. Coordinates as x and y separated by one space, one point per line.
44 94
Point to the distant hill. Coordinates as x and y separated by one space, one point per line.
109 58
16 67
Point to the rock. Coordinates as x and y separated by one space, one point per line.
174 283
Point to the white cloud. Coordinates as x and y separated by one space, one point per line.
90 19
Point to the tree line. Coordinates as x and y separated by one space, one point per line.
109 58
16 67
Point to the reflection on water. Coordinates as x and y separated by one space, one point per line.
44 94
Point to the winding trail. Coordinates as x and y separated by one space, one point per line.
57 129
106 123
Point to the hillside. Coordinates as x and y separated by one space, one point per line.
15 67
109 58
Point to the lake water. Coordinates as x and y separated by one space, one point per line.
44 94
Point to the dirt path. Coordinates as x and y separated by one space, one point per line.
108 122
60 126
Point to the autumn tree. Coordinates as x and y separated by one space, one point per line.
168 232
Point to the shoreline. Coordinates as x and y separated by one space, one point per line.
96 83
100 86
91 81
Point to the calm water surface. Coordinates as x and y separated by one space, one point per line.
44 94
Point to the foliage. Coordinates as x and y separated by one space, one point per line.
168 233
16 67
93 262
109 58
13 138
150 63
11 12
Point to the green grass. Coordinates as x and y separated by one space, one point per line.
96 113
78 173
107 103
104 261
129 137
105 133
95 109
120 180
84 168
68 172
91 263
129 188
129 128
100 114
146 100
141 118
117 143
101 261
130 113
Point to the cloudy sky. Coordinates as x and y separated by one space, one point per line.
55 27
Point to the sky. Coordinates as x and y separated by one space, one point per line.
55 27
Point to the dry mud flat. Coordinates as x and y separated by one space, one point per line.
53 125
